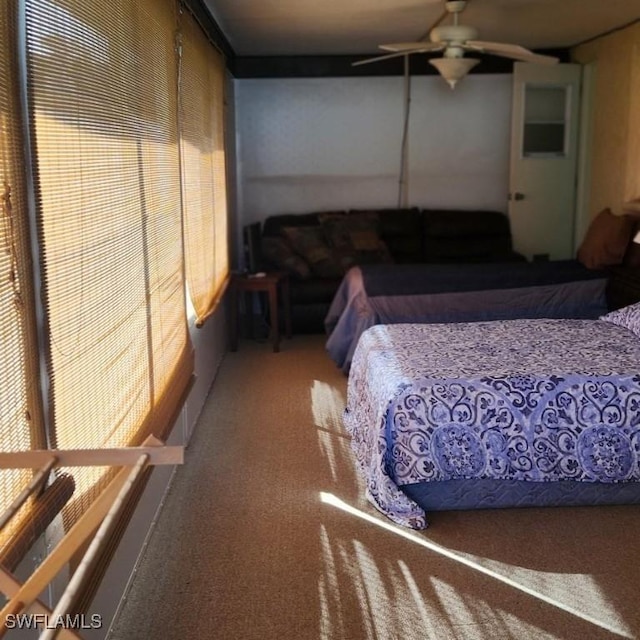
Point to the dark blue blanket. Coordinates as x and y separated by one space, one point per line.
418 279
436 293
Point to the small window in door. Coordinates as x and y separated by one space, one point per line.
545 120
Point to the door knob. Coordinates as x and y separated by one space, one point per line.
518 196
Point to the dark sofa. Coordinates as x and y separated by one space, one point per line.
318 248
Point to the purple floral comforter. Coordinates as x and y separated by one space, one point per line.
538 400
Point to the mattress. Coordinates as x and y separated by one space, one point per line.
543 401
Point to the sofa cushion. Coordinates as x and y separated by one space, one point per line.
467 249
273 225
444 223
279 252
401 231
310 243
354 238
466 236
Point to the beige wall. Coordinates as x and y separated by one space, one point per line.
615 141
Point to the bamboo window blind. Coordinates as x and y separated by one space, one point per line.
21 426
102 233
102 80
202 76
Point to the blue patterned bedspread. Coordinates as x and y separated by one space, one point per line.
390 294
538 400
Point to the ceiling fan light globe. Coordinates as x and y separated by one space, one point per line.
453 69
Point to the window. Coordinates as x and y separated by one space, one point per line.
545 120
203 167
99 187
21 425
102 87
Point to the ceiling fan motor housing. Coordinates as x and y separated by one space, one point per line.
453 34
455 6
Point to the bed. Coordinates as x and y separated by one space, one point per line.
436 293
529 412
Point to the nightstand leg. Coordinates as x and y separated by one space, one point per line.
233 313
286 303
273 312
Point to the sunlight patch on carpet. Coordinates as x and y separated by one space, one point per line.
586 590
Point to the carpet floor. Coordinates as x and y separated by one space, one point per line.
266 534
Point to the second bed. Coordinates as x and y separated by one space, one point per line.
435 293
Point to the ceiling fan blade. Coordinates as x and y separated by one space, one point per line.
509 51
379 58
412 47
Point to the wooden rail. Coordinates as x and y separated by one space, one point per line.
93 528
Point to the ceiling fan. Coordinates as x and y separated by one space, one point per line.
454 40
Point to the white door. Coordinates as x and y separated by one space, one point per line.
543 162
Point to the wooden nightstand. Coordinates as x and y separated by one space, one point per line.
273 283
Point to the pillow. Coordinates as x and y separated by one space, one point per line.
309 242
280 253
355 237
606 241
628 317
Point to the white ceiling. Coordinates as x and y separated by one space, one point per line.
336 27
